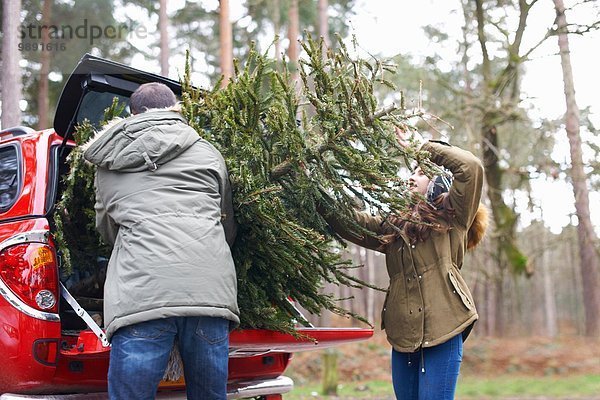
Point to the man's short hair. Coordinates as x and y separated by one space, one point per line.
151 95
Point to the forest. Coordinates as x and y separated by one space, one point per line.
527 279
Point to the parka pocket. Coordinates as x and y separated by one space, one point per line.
395 315
460 290
387 294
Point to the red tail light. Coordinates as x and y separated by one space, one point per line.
30 271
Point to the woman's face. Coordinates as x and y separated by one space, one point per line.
418 182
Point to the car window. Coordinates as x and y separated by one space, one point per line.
94 103
9 176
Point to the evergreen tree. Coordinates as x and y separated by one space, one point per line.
287 166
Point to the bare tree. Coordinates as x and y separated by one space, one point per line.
226 41
11 73
163 23
588 253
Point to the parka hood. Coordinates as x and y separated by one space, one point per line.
478 227
140 142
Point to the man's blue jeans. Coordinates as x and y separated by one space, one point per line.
441 366
140 353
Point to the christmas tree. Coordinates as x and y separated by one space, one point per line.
292 155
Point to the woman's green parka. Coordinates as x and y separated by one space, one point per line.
428 301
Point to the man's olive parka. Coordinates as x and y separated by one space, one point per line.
428 301
163 199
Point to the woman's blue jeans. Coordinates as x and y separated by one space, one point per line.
430 374
140 353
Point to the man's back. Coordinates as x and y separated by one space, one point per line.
163 199
166 191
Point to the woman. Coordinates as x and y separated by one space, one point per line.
428 310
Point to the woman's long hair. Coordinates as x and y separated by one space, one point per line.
418 223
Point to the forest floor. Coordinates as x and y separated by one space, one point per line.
493 368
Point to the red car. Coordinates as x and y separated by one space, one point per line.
48 348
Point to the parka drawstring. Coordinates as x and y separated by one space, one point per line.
412 260
422 360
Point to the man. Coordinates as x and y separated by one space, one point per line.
163 200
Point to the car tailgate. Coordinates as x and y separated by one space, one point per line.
243 343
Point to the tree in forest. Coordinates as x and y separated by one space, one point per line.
293 34
197 24
226 42
66 49
43 89
11 72
323 21
588 241
500 94
276 13
163 23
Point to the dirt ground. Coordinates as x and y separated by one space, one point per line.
530 356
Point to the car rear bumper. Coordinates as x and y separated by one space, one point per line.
238 390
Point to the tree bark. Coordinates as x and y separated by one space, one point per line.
277 28
551 317
11 72
42 96
322 7
588 254
226 42
293 52
163 23
330 372
370 294
504 217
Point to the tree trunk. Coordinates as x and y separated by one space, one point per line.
226 41
42 96
499 303
370 294
330 373
11 72
534 315
277 28
293 35
163 22
323 17
588 255
551 317
505 218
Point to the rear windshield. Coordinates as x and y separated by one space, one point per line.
93 106
9 176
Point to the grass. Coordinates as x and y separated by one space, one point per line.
471 387
510 386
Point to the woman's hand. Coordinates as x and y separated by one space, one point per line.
406 138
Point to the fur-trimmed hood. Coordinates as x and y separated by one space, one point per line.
478 227
142 141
